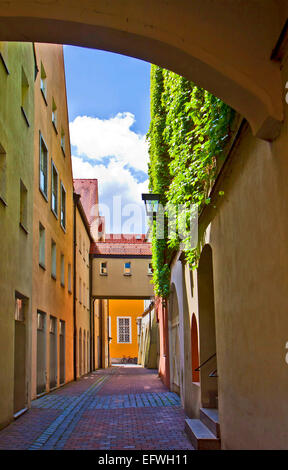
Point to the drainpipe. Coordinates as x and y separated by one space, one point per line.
76 198
92 333
100 333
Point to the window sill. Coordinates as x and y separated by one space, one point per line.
62 285
43 194
53 276
23 228
25 116
63 228
127 274
70 292
42 266
103 274
55 213
63 151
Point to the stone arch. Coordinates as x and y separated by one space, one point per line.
174 341
225 49
207 332
194 349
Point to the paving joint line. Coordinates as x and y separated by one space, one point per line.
67 415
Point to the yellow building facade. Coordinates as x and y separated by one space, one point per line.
82 330
52 304
17 72
123 329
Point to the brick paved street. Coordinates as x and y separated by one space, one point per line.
117 408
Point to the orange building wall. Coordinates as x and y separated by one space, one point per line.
124 308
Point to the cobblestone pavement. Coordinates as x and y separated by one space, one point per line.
117 408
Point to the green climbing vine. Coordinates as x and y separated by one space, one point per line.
188 131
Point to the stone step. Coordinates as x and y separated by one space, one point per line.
210 417
200 436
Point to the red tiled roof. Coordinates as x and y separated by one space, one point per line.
88 190
128 245
125 238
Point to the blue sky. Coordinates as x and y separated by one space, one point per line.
109 112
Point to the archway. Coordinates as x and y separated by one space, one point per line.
224 48
174 342
207 333
194 349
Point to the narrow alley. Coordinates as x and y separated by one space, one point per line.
108 409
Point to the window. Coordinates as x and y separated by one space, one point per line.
43 168
53 325
54 191
40 321
24 96
54 114
53 259
124 329
23 206
103 269
62 270
3 174
43 82
19 308
41 245
69 278
63 207
127 269
150 269
63 140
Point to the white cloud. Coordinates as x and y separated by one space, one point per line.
99 138
115 181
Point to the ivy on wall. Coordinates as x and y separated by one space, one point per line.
188 131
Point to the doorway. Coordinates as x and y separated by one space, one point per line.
53 352
62 352
20 395
208 354
41 352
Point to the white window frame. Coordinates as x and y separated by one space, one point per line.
130 330
62 270
62 188
53 167
53 259
54 115
41 140
43 82
42 245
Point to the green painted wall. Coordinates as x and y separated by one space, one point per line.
16 139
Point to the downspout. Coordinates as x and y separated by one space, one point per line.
92 347
75 201
100 333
